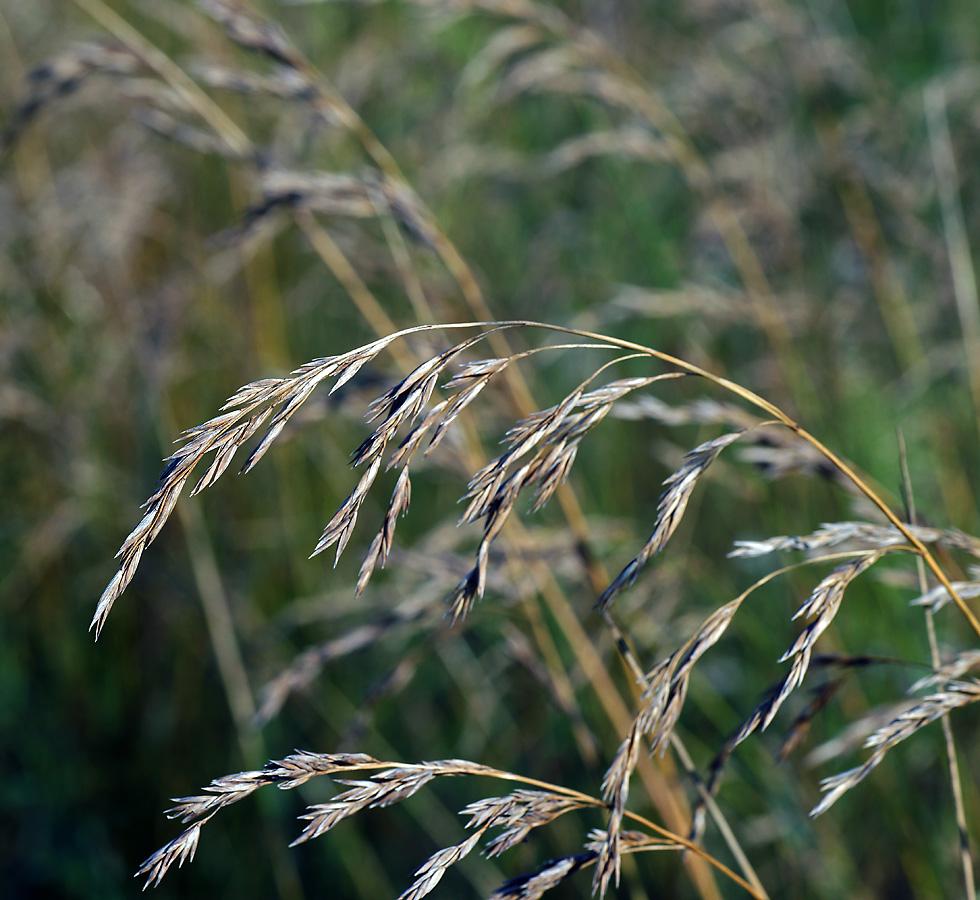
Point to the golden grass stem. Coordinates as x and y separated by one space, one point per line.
843 467
189 91
589 800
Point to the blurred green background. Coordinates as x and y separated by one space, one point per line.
129 309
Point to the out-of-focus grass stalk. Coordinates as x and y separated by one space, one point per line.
889 291
893 302
696 171
957 245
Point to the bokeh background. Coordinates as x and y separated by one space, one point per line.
137 291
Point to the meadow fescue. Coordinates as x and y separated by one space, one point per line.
629 430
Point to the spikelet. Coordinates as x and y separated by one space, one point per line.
670 510
821 607
272 400
857 535
388 783
915 716
536 884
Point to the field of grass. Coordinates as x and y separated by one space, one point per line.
195 196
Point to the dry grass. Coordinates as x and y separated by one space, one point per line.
516 814
538 456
